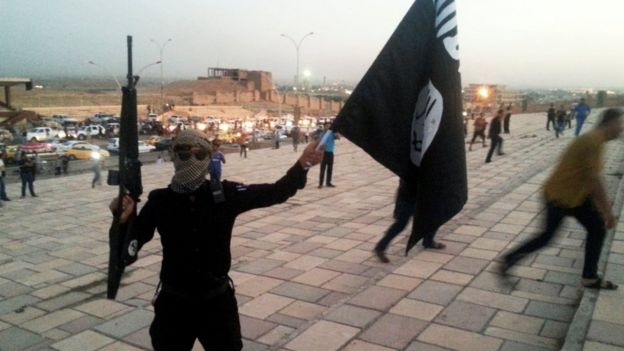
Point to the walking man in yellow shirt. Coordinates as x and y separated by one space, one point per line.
576 189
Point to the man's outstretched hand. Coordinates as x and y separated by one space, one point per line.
310 156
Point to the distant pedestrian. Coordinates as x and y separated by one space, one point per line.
576 189
551 114
243 145
295 134
276 138
404 208
64 164
561 120
217 157
480 125
327 164
97 173
3 161
496 141
306 136
27 169
507 119
581 112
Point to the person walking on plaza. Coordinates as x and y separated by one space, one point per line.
327 164
276 138
242 144
561 120
581 112
496 141
576 189
295 134
479 130
404 208
3 161
97 173
27 170
217 157
196 298
551 114
507 119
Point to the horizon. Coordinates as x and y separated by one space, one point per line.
558 44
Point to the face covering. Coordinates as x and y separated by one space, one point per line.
190 174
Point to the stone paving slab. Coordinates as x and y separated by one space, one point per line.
305 275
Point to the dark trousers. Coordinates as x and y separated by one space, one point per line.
506 123
243 150
3 195
403 211
480 134
496 142
97 176
327 163
179 321
549 121
27 178
559 127
589 218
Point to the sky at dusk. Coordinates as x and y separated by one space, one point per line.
522 43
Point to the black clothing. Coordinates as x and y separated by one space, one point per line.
588 216
496 142
552 113
195 233
495 127
506 122
327 163
27 169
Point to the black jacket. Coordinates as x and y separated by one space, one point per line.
196 233
495 127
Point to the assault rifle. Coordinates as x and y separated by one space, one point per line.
123 243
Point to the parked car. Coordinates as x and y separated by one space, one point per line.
33 146
63 119
85 151
44 133
152 117
90 130
5 136
163 144
113 146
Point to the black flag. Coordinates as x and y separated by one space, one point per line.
407 113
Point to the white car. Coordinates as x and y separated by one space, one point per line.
44 133
91 130
113 146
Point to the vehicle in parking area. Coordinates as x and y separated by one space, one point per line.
152 117
63 119
5 136
63 144
33 146
163 144
113 146
44 133
90 130
85 151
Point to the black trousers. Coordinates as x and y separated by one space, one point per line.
478 133
179 321
551 120
589 218
327 163
496 142
506 123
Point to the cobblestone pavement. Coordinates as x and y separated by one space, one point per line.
305 277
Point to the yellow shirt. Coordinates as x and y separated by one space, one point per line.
570 183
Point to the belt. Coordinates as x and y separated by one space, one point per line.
202 294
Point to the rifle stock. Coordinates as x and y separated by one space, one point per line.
122 239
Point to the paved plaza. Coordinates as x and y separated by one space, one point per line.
305 276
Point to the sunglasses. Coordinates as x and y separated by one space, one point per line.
185 151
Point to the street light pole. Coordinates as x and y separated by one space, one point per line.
297 46
161 48
107 72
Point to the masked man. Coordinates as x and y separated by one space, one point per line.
196 298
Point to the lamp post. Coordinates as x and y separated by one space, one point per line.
107 72
161 48
297 46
